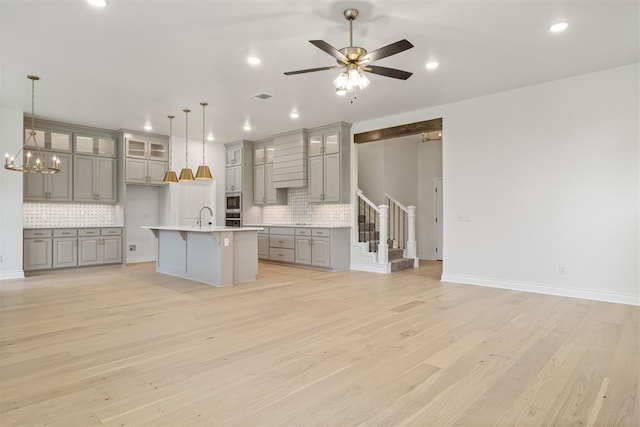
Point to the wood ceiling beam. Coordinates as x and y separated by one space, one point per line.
397 131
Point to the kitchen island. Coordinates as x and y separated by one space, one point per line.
217 256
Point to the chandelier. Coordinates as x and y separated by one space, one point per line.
186 174
170 176
30 157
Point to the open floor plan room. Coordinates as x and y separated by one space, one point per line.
129 346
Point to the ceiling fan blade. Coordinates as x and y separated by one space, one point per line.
388 72
309 70
326 47
388 50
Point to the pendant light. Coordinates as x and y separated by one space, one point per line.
170 176
203 171
29 157
186 174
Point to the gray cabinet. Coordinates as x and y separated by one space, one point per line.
94 179
329 164
37 249
71 247
313 247
263 246
98 246
56 187
263 152
264 192
146 160
65 248
233 179
99 145
233 154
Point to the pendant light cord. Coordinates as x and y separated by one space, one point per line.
170 140
186 142
204 104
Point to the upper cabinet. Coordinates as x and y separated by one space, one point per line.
239 169
54 140
264 191
328 164
233 154
324 141
146 159
93 181
263 152
96 145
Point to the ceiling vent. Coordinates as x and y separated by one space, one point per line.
262 96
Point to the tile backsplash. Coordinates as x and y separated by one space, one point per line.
71 215
300 211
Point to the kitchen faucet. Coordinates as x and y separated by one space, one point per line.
200 214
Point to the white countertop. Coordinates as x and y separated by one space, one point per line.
298 225
55 227
196 229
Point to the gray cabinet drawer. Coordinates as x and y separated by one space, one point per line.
303 232
282 230
321 232
111 231
31 234
89 232
280 254
280 241
65 232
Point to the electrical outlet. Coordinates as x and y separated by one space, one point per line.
132 248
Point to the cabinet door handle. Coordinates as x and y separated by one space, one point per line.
38 241
37 234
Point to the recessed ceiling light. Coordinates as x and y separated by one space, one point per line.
558 27
254 60
432 65
210 137
97 3
294 115
247 127
148 127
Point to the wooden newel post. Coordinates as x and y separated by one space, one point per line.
411 231
383 247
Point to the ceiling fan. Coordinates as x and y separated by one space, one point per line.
354 60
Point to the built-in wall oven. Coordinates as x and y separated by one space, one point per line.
233 210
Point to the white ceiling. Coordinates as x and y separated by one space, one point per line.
138 60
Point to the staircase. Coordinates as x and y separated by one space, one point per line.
374 223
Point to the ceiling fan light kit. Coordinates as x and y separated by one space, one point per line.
356 61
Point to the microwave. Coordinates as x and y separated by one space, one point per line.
233 202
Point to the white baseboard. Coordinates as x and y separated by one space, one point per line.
141 259
8 275
539 288
372 268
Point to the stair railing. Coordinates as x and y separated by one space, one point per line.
402 226
368 221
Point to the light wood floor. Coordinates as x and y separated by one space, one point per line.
127 347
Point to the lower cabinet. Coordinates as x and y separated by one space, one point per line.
37 250
263 246
96 247
317 247
64 248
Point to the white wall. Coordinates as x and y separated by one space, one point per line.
141 208
371 170
10 197
548 177
429 168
